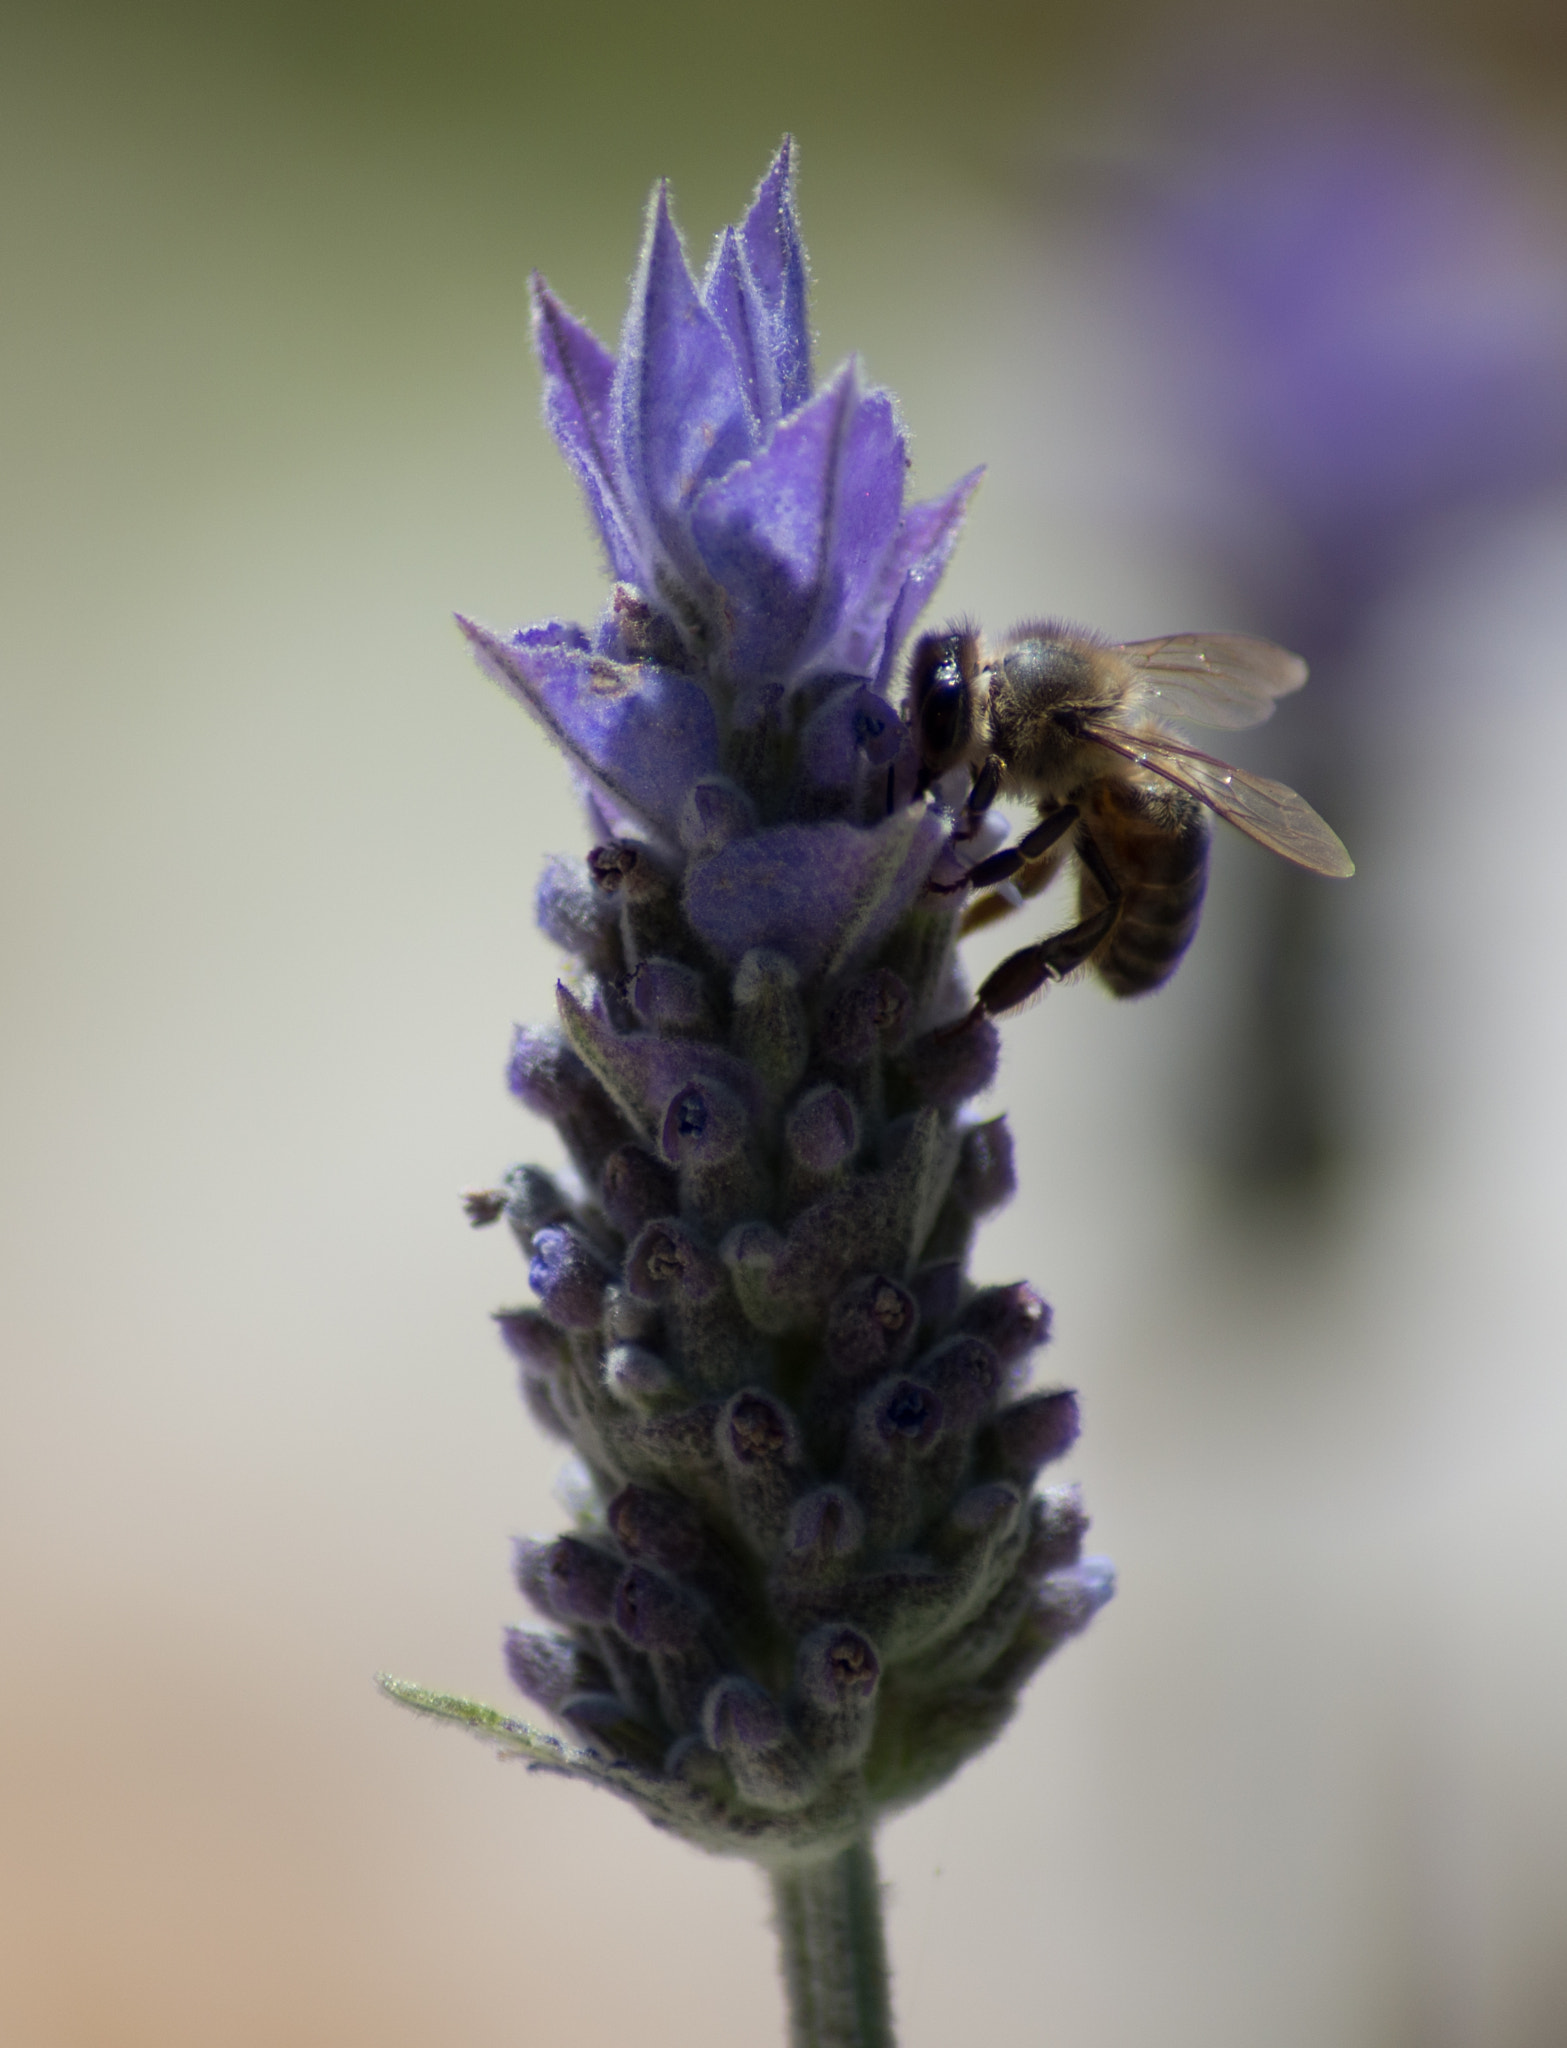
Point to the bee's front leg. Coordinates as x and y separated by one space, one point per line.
1034 845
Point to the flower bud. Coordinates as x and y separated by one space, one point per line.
704 1330
897 1427
666 1263
949 1066
870 1327
770 1766
574 915
529 1563
714 812
1033 1432
657 1528
985 1177
635 1187
660 1618
639 1378
534 1200
836 1673
1012 1320
670 998
537 1344
579 1580
759 1442
632 874
705 1133
825 1529
568 1278
545 1669
770 1027
867 1016
551 1081
1056 1530
821 1137
966 1373
937 1289
651 1612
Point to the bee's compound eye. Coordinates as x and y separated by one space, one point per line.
942 719
941 678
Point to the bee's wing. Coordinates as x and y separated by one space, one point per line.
1221 679
1265 811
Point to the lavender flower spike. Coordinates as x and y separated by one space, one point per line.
816 1576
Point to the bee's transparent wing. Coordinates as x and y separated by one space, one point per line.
1265 811
1221 679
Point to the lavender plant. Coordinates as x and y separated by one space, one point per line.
814 1573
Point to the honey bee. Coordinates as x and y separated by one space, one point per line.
1076 726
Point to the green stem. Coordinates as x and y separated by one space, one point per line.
834 1957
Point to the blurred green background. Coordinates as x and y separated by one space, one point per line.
269 848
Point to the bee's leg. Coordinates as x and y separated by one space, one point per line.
1024 973
992 904
1034 845
986 785
982 794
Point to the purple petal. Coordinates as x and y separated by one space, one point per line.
644 733
912 571
553 633
678 401
770 233
578 377
644 1072
866 518
1396 326
794 536
729 294
764 532
819 894
854 729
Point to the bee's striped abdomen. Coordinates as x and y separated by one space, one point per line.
1155 843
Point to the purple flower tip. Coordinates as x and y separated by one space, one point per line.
760 517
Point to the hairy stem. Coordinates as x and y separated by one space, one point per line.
833 1953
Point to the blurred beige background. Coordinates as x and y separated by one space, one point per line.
268 862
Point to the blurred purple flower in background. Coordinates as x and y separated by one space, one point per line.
811 1573
1374 322
1383 324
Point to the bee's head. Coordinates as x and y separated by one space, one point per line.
943 676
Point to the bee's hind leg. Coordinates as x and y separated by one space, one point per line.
1024 973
